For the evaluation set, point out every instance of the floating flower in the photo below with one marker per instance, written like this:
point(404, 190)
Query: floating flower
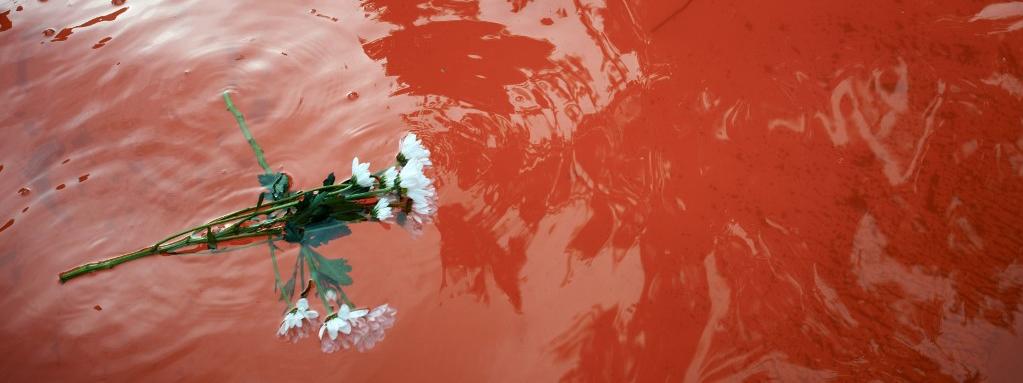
point(329, 346)
point(417, 187)
point(338, 323)
point(291, 326)
point(390, 175)
point(341, 321)
point(382, 316)
point(360, 173)
point(311, 218)
point(382, 210)
point(411, 149)
point(370, 329)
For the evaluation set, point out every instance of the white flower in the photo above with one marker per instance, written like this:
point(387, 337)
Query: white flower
point(382, 210)
point(370, 329)
point(417, 187)
point(389, 176)
point(341, 322)
point(411, 149)
point(347, 313)
point(331, 295)
point(291, 326)
point(382, 316)
point(329, 346)
point(360, 172)
point(334, 325)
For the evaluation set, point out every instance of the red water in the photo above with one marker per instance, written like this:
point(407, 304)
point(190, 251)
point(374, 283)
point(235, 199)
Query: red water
point(629, 191)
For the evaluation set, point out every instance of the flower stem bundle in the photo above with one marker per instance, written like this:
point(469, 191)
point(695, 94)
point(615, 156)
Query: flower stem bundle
point(311, 218)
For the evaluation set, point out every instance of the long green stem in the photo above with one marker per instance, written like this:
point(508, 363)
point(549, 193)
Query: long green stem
point(232, 231)
point(344, 297)
point(374, 193)
point(319, 289)
point(277, 271)
point(267, 208)
point(248, 135)
point(153, 250)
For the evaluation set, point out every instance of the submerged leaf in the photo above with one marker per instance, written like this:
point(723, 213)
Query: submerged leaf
point(318, 234)
point(334, 270)
point(288, 290)
point(337, 270)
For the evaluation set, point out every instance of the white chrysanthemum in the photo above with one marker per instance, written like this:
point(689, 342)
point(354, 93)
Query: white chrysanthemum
point(411, 149)
point(382, 210)
point(291, 326)
point(390, 175)
point(333, 326)
point(360, 172)
point(341, 322)
point(370, 329)
point(382, 316)
point(418, 187)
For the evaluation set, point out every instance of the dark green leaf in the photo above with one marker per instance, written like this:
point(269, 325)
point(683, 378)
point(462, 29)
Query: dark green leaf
point(329, 180)
point(267, 180)
point(288, 290)
point(211, 241)
point(276, 185)
point(292, 232)
point(401, 218)
point(318, 234)
point(329, 271)
point(349, 216)
point(337, 270)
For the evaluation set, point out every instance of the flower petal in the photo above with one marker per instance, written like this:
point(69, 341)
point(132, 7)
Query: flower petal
point(358, 314)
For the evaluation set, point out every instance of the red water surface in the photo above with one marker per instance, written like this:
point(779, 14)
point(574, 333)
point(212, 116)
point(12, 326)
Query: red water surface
point(629, 190)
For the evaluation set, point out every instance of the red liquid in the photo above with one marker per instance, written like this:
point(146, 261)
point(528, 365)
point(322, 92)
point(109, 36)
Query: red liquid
point(651, 191)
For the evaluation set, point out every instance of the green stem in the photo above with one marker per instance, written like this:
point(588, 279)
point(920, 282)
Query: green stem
point(232, 231)
point(344, 297)
point(174, 242)
point(373, 193)
point(269, 208)
point(159, 249)
point(319, 288)
point(277, 270)
point(248, 135)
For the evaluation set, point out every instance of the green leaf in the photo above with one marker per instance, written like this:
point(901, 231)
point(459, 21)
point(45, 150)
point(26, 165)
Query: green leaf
point(318, 234)
point(276, 185)
point(211, 241)
point(292, 232)
point(334, 270)
point(349, 216)
point(288, 290)
point(329, 180)
point(337, 270)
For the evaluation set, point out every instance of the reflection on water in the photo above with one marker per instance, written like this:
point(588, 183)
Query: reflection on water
point(629, 191)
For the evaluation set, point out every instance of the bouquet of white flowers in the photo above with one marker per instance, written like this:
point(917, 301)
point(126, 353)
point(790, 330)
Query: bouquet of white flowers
point(311, 218)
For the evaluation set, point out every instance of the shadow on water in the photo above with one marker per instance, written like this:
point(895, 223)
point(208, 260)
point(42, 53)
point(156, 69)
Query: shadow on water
point(793, 221)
